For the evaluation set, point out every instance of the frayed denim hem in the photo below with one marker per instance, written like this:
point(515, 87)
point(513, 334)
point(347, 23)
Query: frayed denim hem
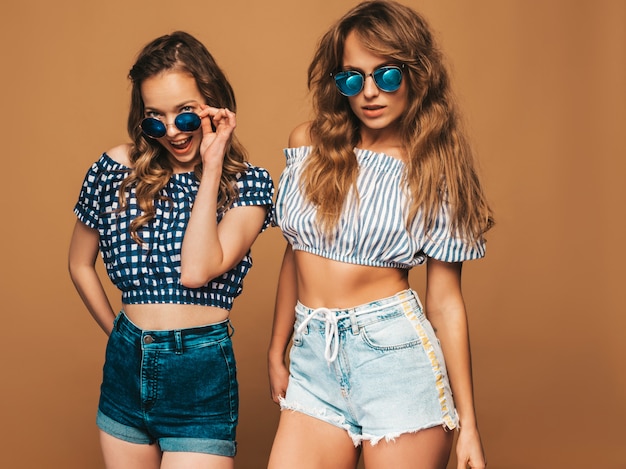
point(357, 439)
point(390, 437)
point(321, 414)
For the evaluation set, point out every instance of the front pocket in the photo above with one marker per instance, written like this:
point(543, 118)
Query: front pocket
point(390, 334)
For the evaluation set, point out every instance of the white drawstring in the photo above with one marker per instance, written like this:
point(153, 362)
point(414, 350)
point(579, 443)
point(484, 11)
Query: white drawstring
point(331, 319)
point(332, 331)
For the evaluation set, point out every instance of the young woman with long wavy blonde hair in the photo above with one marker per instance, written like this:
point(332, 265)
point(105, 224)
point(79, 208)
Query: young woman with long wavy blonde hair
point(381, 180)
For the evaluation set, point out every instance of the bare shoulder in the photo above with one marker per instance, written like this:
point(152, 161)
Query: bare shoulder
point(300, 136)
point(121, 154)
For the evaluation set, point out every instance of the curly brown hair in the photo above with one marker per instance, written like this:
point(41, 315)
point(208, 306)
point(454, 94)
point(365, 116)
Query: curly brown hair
point(440, 165)
point(151, 168)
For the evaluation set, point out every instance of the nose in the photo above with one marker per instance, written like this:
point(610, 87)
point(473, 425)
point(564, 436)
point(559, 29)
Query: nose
point(370, 90)
point(171, 129)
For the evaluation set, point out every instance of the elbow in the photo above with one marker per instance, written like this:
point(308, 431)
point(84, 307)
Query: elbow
point(194, 274)
point(191, 281)
point(73, 269)
point(194, 279)
point(191, 284)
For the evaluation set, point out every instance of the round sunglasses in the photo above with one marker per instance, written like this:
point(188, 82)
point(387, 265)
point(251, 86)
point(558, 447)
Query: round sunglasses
point(387, 78)
point(185, 122)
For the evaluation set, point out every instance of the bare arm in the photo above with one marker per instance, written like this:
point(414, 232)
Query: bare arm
point(81, 262)
point(282, 328)
point(286, 299)
point(210, 249)
point(446, 311)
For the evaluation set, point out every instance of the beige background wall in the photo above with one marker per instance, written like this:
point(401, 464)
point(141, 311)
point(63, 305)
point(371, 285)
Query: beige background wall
point(543, 83)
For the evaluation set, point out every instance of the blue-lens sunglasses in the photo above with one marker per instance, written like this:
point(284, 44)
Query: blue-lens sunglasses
point(185, 122)
point(387, 78)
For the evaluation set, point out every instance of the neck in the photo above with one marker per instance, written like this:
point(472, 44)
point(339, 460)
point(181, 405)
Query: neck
point(385, 140)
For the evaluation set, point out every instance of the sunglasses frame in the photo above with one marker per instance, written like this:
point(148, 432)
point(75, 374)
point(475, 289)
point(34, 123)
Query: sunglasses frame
point(191, 122)
point(364, 76)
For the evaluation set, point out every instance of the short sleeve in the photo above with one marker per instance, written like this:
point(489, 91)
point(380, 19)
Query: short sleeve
point(98, 193)
point(443, 244)
point(87, 209)
point(256, 188)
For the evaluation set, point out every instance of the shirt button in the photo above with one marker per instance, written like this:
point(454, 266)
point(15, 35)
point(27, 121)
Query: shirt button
point(148, 339)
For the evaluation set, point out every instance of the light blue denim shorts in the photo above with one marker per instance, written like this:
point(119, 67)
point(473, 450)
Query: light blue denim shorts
point(376, 370)
point(176, 388)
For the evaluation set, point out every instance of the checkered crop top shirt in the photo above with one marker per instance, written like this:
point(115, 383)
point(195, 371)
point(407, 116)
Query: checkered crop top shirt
point(150, 273)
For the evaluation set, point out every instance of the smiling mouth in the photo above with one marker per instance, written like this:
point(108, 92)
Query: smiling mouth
point(181, 144)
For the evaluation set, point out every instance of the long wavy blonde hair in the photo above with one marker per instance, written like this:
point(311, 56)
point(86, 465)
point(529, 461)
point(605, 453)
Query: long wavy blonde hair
point(440, 164)
point(152, 170)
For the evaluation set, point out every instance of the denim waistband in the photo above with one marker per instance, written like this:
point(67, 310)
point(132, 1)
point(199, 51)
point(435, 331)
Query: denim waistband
point(356, 316)
point(173, 340)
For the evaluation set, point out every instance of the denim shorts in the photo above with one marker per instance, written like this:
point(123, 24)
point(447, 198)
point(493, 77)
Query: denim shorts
point(175, 388)
point(376, 370)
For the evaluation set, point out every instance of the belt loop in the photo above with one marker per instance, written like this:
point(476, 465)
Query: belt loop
point(306, 330)
point(417, 299)
point(230, 328)
point(353, 321)
point(116, 321)
point(331, 331)
point(305, 315)
point(178, 337)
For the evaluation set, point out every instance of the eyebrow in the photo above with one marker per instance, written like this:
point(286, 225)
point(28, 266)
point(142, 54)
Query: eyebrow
point(177, 106)
point(382, 64)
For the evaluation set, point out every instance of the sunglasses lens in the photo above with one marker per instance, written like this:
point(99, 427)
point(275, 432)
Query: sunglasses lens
point(388, 79)
point(153, 128)
point(349, 83)
point(187, 122)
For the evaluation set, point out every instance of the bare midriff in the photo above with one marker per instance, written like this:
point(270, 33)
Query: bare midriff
point(168, 316)
point(331, 284)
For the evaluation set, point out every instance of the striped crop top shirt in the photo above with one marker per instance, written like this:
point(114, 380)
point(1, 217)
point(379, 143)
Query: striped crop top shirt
point(150, 273)
point(372, 228)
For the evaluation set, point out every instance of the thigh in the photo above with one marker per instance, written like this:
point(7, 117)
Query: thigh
point(195, 395)
point(426, 449)
point(120, 454)
point(398, 382)
point(305, 442)
point(192, 404)
point(176, 460)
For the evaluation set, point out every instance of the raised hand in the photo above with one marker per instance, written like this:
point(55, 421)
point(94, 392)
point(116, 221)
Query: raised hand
point(218, 125)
